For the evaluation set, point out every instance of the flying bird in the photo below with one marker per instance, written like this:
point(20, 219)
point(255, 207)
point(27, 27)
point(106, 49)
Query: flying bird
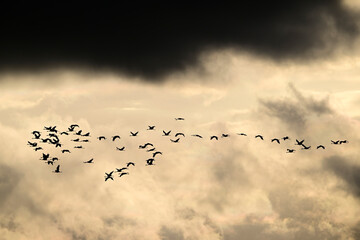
point(156, 153)
point(45, 156)
point(121, 169)
point(285, 138)
point(320, 146)
point(290, 150)
point(85, 140)
point(123, 173)
point(50, 162)
point(130, 163)
point(58, 145)
point(175, 141)
point(55, 159)
point(57, 170)
point(197, 135)
point(109, 176)
point(299, 142)
point(64, 133)
point(276, 140)
point(151, 128)
point(72, 127)
point(32, 144)
point(259, 136)
point(101, 138)
point(224, 135)
point(179, 119)
point(86, 134)
point(166, 133)
point(89, 161)
point(78, 147)
point(115, 137)
point(150, 150)
point(242, 134)
point(134, 134)
point(36, 134)
point(65, 150)
point(120, 149)
point(179, 134)
point(214, 137)
point(76, 140)
point(38, 148)
point(150, 161)
point(343, 141)
point(78, 133)
point(305, 147)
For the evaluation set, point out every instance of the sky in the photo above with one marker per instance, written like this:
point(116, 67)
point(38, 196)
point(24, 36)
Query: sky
point(270, 68)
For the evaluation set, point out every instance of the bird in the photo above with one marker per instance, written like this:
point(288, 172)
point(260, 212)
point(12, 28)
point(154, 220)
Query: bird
point(85, 140)
point(179, 134)
point(32, 144)
point(335, 142)
point(76, 140)
point(115, 137)
point(72, 127)
point(51, 129)
point(179, 119)
point(305, 147)
point(147, 144)
point(320, 146)
point(175, 141)
point(36, 134)
point(64, 133)
point(197, 135)
point(290, 150)
point(58, 145)
point(285, 138)
point(259, 136)
point(38, 148)
point(123, 173)
point(299, 142)
point(150, 150)
point(343, 141)
point(86, 134)
point(57, 170)
point(151, 128)
point(120, 149)
point(130, 163)
point(101, 138)
point(45, 140)
point(109, 176)
point(55, 159)
point(150, 161)
point(65, 150)
point(78, 133)
point(45, 156)
point(166, 133)
point(50, 162)
point(156, 153)
point(214, 137)
point(134, 134)
point(224, 135)
point(242, 134)
point(78, 147)
point(89, 161)
point(121, 169)
point(276, 140)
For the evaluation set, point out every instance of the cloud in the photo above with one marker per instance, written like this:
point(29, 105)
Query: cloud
point(152, 40)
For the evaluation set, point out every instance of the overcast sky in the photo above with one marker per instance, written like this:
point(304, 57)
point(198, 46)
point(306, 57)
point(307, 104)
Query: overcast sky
point(273, 69)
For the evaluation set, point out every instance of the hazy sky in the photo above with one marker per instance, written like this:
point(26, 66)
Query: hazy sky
point(301, 81)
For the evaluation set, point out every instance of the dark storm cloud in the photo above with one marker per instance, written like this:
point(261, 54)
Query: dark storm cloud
point(153, 40)
point(346, 171)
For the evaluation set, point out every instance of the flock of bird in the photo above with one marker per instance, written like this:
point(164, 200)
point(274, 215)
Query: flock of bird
point(52, 137)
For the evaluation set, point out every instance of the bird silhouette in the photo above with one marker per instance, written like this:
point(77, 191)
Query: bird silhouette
point(51, 129)
point(72, 127)
point(64, 133)
point(320, 146)
point(179, 134)
point(55, 159)
point(58, 145)
point(76, 140)
point(89, 161)
point(299, 142)
point(38, 148)
point(50, 162)
point(36, 134)
point(335, 142)
point(101, 138)
point(134, 134)
point(150, 150)
point(151, 128)
point(120, 149)
point(242, 134)
point(57, 170)
point(32, 144)
point(166, 133)
point(259, 136)
point(179, 119)
point(214, 137)
point(276, 140)
point(45, 156)
point(121, 169)
point(197, 135)
point(290, 150)
point(343, 141)
point(115, 137)
point(285, 138)
point(123, 173)
point(156, 153)
point(86, 134)
point(109, 176)
point(78, 133)
point(175, 141)
point(130, 163)
point(85, 140)
point(145, 145)
point(150, 161)
point(305, 147)
point(78, 147)
point(65, 150)
point(224, 135)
